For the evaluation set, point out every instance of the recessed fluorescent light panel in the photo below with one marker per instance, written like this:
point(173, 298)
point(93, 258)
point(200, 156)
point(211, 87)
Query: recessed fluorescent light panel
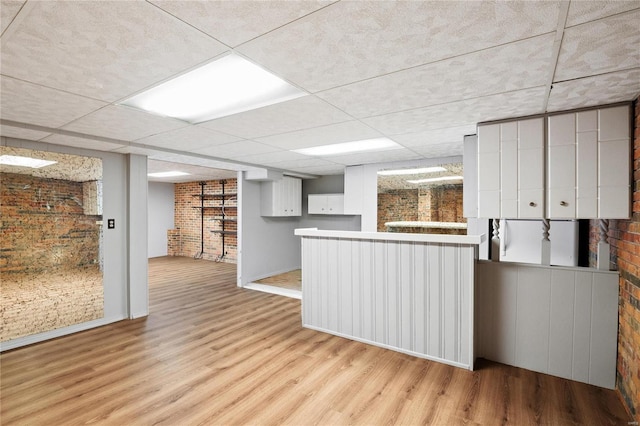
point(378, 144)
point(167, 174)
point(223, 87)
point(437, 179)
point(418, 171)
point(15, 160)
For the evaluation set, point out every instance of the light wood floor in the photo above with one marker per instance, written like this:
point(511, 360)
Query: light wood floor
point(291, 280)
point(211, 353)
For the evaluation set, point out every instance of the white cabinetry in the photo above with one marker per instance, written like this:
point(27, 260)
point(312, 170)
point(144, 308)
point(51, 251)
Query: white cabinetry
point(326, 204)
point(282, 197)
point(588, 164)
point(510, 169)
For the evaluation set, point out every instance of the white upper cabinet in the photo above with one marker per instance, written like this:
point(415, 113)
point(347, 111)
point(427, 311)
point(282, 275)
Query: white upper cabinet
point(282, 197)
point(587, 166)
point(325, 204)
point(588, 174)
point(510, 169)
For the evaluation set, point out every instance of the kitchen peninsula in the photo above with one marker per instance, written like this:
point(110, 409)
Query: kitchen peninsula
point(412, 293)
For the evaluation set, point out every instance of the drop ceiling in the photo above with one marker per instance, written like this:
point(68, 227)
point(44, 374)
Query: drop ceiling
point(421, 73)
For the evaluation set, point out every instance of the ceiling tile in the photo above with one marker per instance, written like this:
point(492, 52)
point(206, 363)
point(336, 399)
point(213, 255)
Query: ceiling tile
point(514, 66)
point(302, 164)
point(325, 135)
point(8, 11)
point(584, 10)
point(506, 105)
point(104, 50)
point(440, 150)
point(157, 166)
point(234, 22)
point(81, 142)
point(301, 113)
point(438, 136)
point(33, 104)
point(197, 160)
point(22, 133)
point(135, 150)
point(606, 45)
point(120, 122)
point(375, 157)
point(187, 138)
point(336, 169)
point(597, 90)
point(236, 149)
point(272, 157)
point(345, 42)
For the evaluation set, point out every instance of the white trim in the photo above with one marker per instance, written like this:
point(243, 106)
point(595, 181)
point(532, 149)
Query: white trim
point(59, 332)
point(393, 236)
point(287, 292)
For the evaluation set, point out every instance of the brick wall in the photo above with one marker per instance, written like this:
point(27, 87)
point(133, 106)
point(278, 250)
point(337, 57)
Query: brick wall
point(624, 237)
point(396, 205)
point(43, 225)
point(442, 203)
point(184, 240)
point(437, 204)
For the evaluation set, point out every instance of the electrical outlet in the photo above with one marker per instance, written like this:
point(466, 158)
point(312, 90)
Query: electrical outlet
point(111, 223)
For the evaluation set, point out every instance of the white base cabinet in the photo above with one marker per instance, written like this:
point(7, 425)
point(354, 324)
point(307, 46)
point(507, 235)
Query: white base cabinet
point(281, 198)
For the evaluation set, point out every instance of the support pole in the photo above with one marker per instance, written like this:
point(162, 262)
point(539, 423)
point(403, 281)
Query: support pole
point(604, 249)
point(495, 241)
point(545, 258)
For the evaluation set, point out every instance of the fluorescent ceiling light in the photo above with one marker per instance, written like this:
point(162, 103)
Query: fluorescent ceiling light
point(173, 173)
point(411, 171)
point(34, 163)
point(223, 87)
point(436, 179)
point(377, 144)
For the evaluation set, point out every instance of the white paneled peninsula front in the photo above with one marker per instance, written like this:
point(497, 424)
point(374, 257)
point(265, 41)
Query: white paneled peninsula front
point(408, 292)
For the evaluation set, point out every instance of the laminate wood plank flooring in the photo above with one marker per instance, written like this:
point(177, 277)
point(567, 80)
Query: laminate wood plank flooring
point(291, 280)
point(211, 353)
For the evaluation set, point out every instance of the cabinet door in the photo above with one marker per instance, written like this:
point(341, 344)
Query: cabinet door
point(509, 178)
point(562, 204)
point(586, 173)
point(335, 204)
point(531, 168)
point(316, 204)
point(294, 197)
point(489, 171)
point(614, 163)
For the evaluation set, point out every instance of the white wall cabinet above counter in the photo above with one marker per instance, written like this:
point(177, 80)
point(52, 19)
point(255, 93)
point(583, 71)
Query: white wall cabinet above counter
point(281, 198)
point(584, 155)
point(326, 204)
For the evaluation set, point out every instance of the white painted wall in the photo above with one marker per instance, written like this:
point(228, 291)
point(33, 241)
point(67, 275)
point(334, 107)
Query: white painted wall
point(326, 185)
point(369, 220)
point(267, 245)
point(137, 266)
point(161, 216)
point(117, 284)
point(561, 321)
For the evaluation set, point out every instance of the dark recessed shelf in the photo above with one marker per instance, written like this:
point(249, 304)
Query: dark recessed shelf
point(224, 232)
point(213, 207)
point(213, 196)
